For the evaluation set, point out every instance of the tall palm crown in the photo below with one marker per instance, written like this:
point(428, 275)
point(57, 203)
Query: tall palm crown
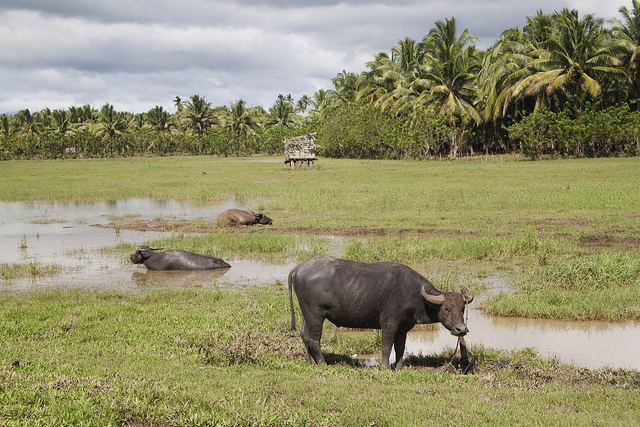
point(27, 123)
point(60, 122)
point(322, 99)
point(627, 39)
point(5, 126)
point(239, 120)
point(577, 52)
point(177, 101)
point(282, 112)
point(303, 103)
point(345, 85)
point(159, 119)
point(508, 62)
point(452, 65)
point(198, 115)
point(110, 123)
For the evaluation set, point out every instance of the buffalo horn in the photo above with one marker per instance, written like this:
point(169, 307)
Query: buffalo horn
point(468, 297)
point(433, 299)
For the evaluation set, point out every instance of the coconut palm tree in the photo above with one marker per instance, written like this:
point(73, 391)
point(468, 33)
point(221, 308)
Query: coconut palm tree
point(239, 120)
point(322, 99)
point(177, 101)
point(376, 85)
point(198, 115)
point(345, 85)
point(408, 55)
point(452, 65)
point(159, 120)
point(626, 33)
point(60, 122)
point(27, 123)
point(5, 126)
point(282, 113)
point(303, 103)
point(110, 124)
point(577, 53)
point(394, 82)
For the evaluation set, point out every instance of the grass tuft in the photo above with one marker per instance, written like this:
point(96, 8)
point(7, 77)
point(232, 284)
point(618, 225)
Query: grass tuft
point(32, 269)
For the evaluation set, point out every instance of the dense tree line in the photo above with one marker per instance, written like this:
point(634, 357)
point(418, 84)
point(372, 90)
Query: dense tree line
point(562, 85)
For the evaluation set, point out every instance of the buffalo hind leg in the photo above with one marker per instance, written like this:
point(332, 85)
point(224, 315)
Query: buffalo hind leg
point(304, 341)
point(311, 333)
point(398, 345)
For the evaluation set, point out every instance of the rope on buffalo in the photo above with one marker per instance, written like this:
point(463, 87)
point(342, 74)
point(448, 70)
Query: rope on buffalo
point(464, 356)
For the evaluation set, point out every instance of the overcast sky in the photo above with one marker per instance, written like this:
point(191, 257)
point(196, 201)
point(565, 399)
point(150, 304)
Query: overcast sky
point(137, 54)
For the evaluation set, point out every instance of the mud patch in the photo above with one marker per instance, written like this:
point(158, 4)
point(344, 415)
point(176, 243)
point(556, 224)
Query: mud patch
point(178, 226)
point(610, 240)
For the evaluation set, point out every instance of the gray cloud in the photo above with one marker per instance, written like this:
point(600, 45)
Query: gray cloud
point(138, 54)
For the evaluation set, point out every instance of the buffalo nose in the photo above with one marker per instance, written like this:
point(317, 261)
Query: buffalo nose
point(461, 329)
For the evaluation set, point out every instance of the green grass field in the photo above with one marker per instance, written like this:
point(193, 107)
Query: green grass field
point(587, 197)
point(225, 357)
point(566, 231)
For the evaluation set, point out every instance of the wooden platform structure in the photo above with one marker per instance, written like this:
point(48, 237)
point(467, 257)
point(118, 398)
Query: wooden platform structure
point(300, 149)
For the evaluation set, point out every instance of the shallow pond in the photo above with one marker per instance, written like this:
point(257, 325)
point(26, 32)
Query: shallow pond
point(70, 234)
point(62, 233)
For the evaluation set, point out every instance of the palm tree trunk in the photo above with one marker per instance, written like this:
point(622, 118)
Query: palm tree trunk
point(580, 100)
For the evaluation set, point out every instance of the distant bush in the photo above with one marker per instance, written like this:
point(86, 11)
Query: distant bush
point(613, 131)
point(363, 131)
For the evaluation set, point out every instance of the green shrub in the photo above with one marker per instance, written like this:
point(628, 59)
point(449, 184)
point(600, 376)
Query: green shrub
point(613, 131)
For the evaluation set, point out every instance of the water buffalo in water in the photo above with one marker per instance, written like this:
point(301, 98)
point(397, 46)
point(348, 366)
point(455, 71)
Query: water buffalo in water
point(240, 217)
point(386, 296)
point(174, 260)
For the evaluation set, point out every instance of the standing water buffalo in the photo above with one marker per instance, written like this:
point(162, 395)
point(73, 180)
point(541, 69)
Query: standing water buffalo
point(174, 260)
point(386, 296)
point(240, 217)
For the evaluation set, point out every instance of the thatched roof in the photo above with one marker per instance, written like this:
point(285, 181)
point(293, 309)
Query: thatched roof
point(300, 147)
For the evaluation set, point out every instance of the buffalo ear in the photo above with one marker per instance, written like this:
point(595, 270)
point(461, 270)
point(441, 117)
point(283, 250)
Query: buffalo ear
point(433, 299)
point(466, 295)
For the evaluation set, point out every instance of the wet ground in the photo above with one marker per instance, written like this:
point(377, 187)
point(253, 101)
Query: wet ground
point(69, 234)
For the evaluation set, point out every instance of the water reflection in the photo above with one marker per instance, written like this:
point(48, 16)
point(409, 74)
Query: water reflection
point(177, 279)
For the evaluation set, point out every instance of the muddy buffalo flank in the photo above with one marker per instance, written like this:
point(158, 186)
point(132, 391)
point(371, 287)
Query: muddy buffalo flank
point(233, 217)
point(155, 260)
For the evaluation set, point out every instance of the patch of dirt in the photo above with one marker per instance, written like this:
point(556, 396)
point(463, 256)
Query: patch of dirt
point(619, 378)
point(610, 240)
point(145, 423)
point(547, 224)
point(210, 227)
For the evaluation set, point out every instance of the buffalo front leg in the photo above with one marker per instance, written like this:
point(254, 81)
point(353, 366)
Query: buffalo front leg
point(398, 345)
point(311, 333)
point(388, 336)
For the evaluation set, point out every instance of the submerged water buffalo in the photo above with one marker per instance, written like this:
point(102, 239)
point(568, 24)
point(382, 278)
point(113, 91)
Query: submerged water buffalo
point(240, 217)
point(174, 260)
point(386, 296)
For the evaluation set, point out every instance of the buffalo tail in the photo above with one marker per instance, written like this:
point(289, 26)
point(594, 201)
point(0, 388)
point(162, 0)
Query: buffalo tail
point(293, 313)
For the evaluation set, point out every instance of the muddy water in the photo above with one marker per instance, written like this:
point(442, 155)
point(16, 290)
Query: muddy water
point(62, 233)
point(590, 344)
point(65, 233)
